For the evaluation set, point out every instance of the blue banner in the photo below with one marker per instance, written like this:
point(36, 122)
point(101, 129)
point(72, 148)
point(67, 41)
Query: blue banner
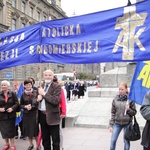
point(116, 35)
point(20, 91)
point(140, 82)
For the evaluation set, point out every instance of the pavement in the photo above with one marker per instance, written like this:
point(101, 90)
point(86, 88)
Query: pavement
point(94, 110)
point(87, 126)
point(77, 138)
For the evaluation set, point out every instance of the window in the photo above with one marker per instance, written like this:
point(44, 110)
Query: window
point(49, 18)
point(14, 3)
point(13, 27)
point(23, 25)
point(31, 12)
point(38, 16)
point(45, 18)
point(23, 7)
point(54, 1)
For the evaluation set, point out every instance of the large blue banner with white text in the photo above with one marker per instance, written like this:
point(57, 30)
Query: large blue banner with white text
point(15, 47)
point(117, 35)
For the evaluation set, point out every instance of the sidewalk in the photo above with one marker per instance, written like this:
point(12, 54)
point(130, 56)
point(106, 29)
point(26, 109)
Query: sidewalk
point(76, 138)
point(93, 111)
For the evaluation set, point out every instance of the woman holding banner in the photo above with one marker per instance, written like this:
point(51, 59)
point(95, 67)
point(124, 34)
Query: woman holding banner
point(8, 105)
point(121, 112)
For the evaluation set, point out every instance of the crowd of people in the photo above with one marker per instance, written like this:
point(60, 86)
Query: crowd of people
point(44, 108)
point(75, 89)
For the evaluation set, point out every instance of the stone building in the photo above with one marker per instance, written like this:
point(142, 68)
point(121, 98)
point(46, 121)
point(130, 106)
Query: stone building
point(15, 14)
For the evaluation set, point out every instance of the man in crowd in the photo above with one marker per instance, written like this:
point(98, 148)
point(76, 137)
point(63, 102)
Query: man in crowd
point(49, 111)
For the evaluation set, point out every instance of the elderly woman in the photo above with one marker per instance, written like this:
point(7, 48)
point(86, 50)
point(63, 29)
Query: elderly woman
point(29, 103)
point(8, 105)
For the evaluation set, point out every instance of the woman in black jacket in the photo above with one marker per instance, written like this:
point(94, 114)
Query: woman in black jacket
point(29, 104)
point(8, 105)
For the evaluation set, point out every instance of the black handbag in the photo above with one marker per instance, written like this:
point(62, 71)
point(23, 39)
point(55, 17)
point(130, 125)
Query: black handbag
point(132, 132)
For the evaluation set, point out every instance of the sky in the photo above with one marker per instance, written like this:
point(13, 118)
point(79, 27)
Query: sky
point(81, 7)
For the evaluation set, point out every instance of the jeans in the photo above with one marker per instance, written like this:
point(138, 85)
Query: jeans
point(116, 131)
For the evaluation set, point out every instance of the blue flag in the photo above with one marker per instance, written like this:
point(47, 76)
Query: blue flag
point(116, 35)
point(19, 114)
point(140, 82)
point(20, 91)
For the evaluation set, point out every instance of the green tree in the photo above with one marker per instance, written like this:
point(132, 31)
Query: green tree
point(85, 76)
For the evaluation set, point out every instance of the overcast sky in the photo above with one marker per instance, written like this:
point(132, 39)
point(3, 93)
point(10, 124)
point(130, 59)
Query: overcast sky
point(80, 7)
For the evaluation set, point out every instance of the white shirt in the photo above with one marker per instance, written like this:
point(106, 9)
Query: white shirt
point(42, 105)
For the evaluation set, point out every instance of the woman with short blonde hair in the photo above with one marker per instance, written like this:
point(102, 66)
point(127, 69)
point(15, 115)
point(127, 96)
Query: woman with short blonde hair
point(8, 105)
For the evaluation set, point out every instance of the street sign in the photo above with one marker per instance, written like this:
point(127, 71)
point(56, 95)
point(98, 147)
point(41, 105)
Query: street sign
point(8, 75)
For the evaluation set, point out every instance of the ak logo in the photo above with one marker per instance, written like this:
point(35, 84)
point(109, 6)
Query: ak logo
point(145, 75)
point(128, 35)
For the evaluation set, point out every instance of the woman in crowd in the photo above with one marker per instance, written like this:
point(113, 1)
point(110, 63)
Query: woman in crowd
point(33, 83)
point(121, 113)
point(82, 89)
point(29, 103)
point(75, 90)
point(8, 105)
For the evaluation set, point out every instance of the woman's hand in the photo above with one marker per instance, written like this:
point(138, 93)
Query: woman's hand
point(39, 98)
point(2, 109)
point(9, 110)
point(62, 116)
point(110, 129)
point(127, 106)
point(28, 107)
point(41, 91)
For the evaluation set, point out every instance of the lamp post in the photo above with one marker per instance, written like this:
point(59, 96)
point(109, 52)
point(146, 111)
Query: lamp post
point(99, 72)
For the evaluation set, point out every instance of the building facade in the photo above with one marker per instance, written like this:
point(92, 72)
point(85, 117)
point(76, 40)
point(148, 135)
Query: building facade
point(15, 14)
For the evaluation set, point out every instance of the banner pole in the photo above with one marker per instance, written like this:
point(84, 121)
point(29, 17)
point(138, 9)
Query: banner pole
point(40, 75)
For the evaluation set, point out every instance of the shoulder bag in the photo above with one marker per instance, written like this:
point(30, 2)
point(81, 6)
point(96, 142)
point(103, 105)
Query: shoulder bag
point(132, 132)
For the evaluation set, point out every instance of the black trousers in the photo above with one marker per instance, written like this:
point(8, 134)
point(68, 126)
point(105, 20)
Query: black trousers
point(144, 148)
point(68, 94)
point(49, 133)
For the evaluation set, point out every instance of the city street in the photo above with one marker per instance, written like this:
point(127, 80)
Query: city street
point(83, 139)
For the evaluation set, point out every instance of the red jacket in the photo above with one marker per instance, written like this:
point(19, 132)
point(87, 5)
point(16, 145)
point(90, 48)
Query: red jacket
point(62, 104)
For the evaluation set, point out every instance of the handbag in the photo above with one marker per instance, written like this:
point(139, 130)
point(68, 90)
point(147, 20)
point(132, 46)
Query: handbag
point(132, 132)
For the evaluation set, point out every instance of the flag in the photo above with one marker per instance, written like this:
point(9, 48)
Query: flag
point(19, 114)
point(115, 35)
point(20, 90)
point(140, 82)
